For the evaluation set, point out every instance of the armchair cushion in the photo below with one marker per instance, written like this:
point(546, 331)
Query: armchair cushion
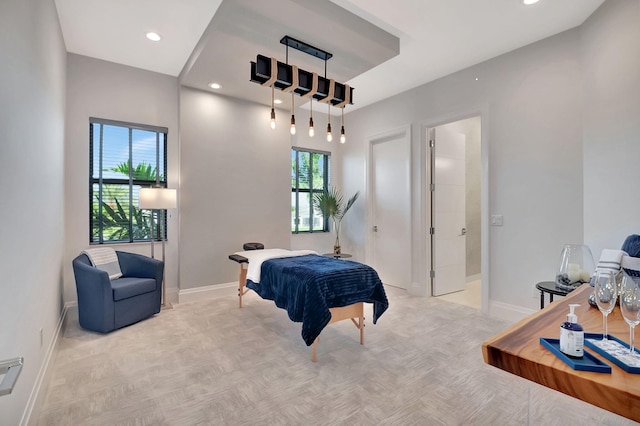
point(126, 287)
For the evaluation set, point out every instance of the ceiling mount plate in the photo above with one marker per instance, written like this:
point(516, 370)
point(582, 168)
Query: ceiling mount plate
point(306, 48)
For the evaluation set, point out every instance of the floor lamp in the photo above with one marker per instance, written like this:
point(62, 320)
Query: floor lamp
point(158, 199)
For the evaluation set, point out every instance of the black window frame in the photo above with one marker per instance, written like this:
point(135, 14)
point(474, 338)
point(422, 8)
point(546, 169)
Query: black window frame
point(295, 189)
point(160, 181)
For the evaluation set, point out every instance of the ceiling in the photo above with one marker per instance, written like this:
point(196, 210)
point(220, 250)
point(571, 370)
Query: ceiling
point(380, 47)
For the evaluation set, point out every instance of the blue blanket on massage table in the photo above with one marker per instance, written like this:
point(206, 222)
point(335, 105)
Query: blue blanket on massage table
point(307, 286)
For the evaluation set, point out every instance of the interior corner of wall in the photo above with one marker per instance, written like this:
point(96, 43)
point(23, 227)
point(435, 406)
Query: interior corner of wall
point(418, 289)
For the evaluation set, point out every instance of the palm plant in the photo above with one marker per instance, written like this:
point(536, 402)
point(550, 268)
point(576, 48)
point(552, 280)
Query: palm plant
point(330, 203)
point(142, 171)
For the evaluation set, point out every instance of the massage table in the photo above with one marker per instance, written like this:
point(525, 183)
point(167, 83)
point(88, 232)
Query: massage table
point(315, 290)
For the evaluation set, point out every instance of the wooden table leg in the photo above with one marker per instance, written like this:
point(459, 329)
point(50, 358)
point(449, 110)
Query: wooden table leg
point(313, 349)
point(242, 280)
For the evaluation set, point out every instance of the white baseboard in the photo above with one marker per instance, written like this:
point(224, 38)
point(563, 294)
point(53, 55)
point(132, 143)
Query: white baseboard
point(508, 312)
point(208, 292)
point(38, 391)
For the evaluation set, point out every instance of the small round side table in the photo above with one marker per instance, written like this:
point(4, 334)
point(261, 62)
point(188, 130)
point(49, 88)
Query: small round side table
point(551, 288)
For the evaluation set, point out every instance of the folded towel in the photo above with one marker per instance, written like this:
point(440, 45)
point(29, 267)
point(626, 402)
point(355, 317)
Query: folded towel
point(610, 260)
point(256, 257)
point(105, 259)
point(631, 245)
point(631, 265)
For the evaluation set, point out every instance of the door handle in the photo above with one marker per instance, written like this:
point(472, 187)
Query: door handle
point(463, 232)
point(375, 228)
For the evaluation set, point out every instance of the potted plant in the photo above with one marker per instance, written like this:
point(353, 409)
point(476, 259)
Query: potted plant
point(330, 203)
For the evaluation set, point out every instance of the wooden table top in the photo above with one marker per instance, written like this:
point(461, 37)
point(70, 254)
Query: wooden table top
point(518, 351)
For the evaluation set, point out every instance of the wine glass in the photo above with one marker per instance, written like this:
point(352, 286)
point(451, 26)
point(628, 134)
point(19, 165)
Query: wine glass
point(606, 294)
point(630, 305)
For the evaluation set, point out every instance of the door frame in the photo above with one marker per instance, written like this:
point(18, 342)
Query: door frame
point(403, 133)
point(425, 203)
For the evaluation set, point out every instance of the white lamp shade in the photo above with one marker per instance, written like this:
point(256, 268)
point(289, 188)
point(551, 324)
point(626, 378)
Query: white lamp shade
point(157, 198)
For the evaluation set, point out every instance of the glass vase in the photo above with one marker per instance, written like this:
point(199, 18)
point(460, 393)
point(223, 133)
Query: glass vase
point(576, 266)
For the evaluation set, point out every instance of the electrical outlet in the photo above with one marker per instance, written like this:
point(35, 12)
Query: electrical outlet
point(41, 338)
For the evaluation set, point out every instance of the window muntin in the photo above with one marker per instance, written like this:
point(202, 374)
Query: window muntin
point(114, 184)
point(309, 175)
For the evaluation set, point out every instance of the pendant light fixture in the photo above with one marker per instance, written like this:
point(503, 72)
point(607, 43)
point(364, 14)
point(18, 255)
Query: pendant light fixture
point(273, 111)
point(271, 81)
point(343, 138)
point(329, 135)
point(293, 117)
point(272, 73)
point(347, 100)
point(311, 130)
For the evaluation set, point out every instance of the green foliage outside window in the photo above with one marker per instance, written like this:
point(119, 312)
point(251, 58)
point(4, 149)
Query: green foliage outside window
point(309, 176)
point(115, 184)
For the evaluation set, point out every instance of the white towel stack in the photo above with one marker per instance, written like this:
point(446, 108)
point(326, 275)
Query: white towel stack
point(632, 263)
point(610, 260)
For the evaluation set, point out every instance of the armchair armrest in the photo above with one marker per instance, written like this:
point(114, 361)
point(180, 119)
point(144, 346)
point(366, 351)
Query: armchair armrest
point(95, 296)
point(137, 265)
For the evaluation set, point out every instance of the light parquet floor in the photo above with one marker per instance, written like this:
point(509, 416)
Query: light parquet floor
point(470, 296)
point(210, 363)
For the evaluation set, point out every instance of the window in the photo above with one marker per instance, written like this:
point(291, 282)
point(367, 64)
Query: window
point(309, 175)
point(123, 157)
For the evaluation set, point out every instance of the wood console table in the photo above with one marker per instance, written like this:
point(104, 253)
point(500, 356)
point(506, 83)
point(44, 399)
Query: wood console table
point(518, 351)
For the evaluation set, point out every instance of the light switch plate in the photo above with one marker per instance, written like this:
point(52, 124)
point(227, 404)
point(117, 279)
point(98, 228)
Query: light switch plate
point(496, 220)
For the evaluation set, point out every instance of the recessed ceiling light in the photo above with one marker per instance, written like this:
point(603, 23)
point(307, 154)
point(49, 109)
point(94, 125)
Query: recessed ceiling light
point(528, 2)
point(215, 85)
point(277, 101)
point(153, 36)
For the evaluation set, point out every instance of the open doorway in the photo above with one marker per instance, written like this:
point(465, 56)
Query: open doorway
point(454, 173)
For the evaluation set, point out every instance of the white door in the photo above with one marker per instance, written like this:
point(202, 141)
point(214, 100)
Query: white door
point(391, 209)
point(448, 212)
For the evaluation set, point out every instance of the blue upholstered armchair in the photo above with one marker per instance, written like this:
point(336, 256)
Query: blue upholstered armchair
point(105, 305)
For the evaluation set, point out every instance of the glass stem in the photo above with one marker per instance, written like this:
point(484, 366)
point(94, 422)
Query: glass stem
point(604, 320)
point(631, 335)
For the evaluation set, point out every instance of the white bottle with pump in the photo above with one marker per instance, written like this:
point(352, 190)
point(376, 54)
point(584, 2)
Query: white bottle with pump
point(572, 335)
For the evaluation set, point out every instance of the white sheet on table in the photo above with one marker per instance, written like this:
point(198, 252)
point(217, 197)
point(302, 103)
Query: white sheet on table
point(256, 257)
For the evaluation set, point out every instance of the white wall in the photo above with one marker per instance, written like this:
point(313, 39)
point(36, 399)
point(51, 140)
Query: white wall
point(235, 184)
point(531, 103)
point(97, 88)
point(32, 97)
point(611, 61)
point(235, 179)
